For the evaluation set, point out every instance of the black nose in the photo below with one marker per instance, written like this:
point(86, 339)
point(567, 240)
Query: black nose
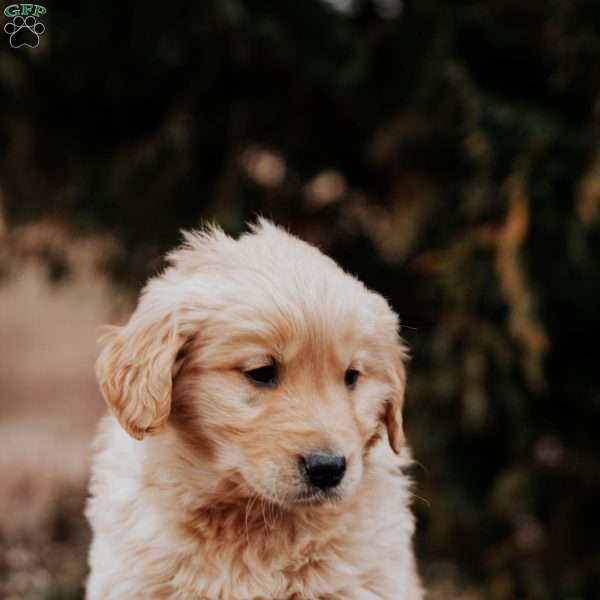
point(323, 470)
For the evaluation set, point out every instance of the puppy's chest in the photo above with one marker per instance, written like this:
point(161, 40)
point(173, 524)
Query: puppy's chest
point(277, 563)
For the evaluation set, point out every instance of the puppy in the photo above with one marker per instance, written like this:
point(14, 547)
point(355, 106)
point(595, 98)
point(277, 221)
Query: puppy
point(246, 459)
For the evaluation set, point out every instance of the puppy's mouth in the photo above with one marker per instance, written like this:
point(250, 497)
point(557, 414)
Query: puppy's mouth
point(317, 497)
point(308, 497)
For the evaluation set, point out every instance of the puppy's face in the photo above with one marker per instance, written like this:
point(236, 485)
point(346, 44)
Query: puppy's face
point(274, 367)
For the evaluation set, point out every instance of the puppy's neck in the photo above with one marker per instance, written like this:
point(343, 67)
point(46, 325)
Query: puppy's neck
point(255, 524)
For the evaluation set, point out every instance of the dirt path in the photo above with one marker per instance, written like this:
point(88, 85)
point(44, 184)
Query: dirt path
point(49, 401)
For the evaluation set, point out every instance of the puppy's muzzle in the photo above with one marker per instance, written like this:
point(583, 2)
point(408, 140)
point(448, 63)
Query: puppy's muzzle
point(323, 470)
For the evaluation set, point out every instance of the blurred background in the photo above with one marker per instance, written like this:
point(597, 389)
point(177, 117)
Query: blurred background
point(447, 153)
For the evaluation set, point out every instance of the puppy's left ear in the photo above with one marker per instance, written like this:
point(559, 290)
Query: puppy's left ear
point(136, 366)
point(393, 415)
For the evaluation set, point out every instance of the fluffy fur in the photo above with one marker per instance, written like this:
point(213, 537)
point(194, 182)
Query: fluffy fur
point(196, 490)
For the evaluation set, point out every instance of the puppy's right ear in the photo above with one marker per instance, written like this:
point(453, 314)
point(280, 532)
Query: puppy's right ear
point(135, 370)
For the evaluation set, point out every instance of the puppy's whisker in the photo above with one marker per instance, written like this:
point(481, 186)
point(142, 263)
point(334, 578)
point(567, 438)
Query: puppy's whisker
point(275, 511)
point(427, 502)
point(416, 463)
point(270, 512)
point(267, 511)
point(262, 508)
point(249, 504)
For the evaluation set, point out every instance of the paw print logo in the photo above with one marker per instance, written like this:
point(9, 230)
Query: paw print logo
point(24, 31)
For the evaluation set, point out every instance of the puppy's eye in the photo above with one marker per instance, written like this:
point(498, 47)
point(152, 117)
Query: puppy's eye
point(266, 375)
point(351, 377)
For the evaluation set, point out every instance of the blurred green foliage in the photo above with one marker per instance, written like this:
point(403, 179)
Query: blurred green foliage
point(447, 153)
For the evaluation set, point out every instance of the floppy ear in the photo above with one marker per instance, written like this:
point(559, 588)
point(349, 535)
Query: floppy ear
point(135, 369)
point(393, 415)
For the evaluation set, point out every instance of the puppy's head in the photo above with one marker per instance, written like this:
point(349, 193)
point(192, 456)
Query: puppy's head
point(273, 364)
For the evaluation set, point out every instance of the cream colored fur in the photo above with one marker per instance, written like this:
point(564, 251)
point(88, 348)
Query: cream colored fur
point(196, 491)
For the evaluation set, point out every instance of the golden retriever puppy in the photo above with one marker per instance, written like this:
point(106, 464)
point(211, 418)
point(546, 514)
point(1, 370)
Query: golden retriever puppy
point(246, 459)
